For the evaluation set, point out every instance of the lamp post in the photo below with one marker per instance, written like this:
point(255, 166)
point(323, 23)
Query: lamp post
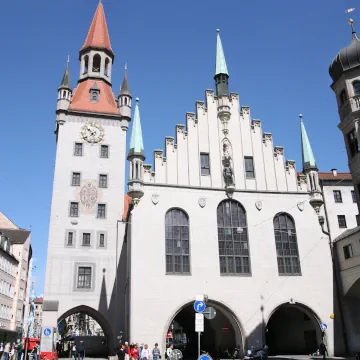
point(316, 202)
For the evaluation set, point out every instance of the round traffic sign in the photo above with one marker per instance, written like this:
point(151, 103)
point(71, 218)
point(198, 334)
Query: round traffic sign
point(47, 332)
point(205, 357)
point(323, 327)
point(210, 313)
point(199, 306)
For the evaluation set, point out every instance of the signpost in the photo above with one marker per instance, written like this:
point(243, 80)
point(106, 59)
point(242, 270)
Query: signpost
point(323, 327)
point(200, 311)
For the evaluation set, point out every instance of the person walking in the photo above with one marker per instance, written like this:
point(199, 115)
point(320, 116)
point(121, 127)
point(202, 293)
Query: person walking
point(73, 351)
point(135, 352)
point(156, 352)
point(145, 353)
point(19, 349)
point(169, 351)
point(127, 351)
point(80, 349)
point(323, 349)
point(6, 351)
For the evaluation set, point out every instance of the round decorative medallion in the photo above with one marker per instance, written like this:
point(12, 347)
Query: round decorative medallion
point(202, 202)
point(88, 195)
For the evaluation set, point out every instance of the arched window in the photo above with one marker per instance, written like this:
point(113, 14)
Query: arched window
point(86, 64)
point(343, 97)
point(106, 71)
point(286, 245)
point(233, 238)
point(177, 242)
point(356, 85)
point(96, 63)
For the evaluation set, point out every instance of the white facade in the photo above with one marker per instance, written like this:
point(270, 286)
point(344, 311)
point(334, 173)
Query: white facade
point(339, 200)
point(221, 154)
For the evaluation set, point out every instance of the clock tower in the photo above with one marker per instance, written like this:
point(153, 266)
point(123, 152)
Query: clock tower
point(84, 260)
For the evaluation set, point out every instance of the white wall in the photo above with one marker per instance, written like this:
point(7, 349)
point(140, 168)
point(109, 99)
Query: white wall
point(156, 297)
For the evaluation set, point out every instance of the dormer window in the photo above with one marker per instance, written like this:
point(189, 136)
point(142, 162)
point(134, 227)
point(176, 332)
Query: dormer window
point(94, 93)
point(356, 85)
point(96, 63)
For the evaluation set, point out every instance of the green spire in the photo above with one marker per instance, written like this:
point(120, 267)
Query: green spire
point(65, 82)
point(136, 141)
point(220, 67)
point(308, 158)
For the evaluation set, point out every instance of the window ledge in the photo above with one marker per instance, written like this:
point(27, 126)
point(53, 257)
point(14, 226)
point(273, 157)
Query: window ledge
point(236, 275)
point(85, 245)
point(178, 274)
point(291, 275)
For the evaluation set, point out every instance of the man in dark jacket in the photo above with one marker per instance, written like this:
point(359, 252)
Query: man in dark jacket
point(80, 349)
point(323, 350)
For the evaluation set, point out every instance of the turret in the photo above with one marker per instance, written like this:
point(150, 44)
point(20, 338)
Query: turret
point(124, 102)
point(64, 90)
point(310, 170)
point(136, 157)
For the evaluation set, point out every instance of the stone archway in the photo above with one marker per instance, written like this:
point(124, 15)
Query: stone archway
point(293, 329)
point(94, 345)
point(220, 334)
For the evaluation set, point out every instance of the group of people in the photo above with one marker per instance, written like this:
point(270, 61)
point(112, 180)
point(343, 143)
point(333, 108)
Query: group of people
point(138, 352)
point(77, 350)
point(12, 351)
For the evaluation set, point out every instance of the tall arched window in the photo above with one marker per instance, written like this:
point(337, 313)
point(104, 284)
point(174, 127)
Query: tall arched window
point(286, 245)
point(177, 242)
point(233, 238)
point(356, 85)
point(96, 63)
point(343, 97)
point(86, 64)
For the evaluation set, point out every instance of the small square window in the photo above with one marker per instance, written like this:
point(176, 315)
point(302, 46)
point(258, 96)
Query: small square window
point(101, 213)
point(75, 181)
point(78, 151)
point(337, 196)
point(74, 209)
point(84, 277)
point(103, 181)
point(86, 240)
point(102, 240)
point(348, 252)
point(70, 238)
point(249, 167)
point(353, 196)
point(205, 164)
point(342, 221)
point(104, 151)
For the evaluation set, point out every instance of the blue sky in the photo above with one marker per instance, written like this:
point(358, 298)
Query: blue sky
point(277, 52)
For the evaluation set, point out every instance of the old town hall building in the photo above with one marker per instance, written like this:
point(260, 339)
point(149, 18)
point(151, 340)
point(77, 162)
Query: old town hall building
point(218, 214)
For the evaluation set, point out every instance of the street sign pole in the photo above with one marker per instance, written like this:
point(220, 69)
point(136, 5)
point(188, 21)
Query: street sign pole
point(199, 340)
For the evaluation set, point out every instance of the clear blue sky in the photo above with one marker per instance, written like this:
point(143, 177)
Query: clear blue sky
point(277, 52)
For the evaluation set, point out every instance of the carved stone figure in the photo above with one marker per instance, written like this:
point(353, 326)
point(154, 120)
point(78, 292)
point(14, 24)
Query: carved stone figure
point(228, 175)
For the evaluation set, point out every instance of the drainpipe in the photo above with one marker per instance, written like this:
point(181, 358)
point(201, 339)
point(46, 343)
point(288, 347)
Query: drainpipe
point(337, 285)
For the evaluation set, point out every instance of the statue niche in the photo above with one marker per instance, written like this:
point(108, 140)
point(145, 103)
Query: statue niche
point(228, 172)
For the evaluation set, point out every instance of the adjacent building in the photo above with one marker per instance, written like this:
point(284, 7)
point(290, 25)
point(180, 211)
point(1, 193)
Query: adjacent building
point(345, 74)
point(218, 215)
point(15, 268)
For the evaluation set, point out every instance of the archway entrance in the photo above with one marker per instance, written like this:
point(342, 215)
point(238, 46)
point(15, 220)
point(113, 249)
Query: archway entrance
point(293, 330)
point(221, 335)
point(84, 324)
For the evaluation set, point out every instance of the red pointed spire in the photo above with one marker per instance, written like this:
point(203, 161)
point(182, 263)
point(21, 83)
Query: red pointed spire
point(98, 35)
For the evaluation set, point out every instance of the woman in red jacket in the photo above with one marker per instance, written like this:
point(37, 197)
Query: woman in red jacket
point(135, 352)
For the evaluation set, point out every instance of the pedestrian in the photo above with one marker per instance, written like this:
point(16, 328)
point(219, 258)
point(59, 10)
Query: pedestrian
point(120, 352)
point(19, 349)
point(37, 351)
point(6, 351)
point(141, 347)
point(73, 351)
point(145, 354)
point(323, 349)
point(12, 352)
point(169, 351)
point(127, 351)
point(135, 352)
point(1, 350)
point(156, 352)
point(80, 349)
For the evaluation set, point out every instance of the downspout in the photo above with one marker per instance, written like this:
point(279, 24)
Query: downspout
point(335, 269)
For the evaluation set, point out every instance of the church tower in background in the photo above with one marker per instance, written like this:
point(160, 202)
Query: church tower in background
point(86, 232)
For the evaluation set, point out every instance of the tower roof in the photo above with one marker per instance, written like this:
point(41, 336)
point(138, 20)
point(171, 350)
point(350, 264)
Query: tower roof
point(136, 141)
point(220, 67)
point(308, 158)
point(124, 90)
point(98, 35)
point(65, 82)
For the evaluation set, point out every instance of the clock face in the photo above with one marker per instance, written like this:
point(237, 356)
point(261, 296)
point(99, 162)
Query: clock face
point(92, 132)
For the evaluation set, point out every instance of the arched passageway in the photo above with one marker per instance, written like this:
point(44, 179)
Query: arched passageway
point(84, 323)
point(293, 330)
point(221, 335)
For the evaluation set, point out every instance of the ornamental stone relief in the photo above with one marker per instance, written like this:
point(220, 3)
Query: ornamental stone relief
point(147, 168)
point(158, 154)
point(290, 165)
point(245, 110)
point(255, 124)
point(267, 137)
point(169, 140)
point(234, 96)
point(278, 150)
point(88, 195)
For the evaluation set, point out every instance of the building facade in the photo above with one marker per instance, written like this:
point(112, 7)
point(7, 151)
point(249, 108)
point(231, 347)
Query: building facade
point(16, 242)
point(345, 74)
point(220, 215)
